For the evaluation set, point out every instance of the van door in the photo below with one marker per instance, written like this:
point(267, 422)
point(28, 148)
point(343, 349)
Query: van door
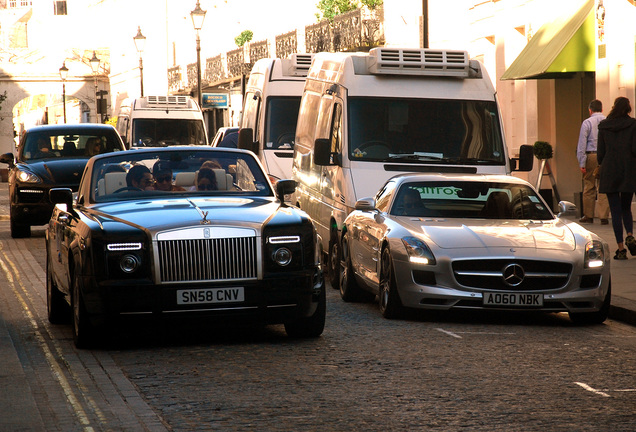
point(332, 175)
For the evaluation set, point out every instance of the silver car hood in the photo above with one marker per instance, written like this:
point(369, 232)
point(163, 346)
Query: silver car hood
point(457, 234)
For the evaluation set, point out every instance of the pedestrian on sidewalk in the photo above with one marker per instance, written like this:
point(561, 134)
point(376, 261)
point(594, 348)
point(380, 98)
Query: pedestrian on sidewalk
point(586, 153)
point(617, 156)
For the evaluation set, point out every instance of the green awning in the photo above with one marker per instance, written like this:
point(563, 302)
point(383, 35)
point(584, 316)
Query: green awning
point(565, 45)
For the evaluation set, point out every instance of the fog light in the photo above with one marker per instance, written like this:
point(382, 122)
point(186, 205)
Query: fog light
point(282, 256)
point(129, 263)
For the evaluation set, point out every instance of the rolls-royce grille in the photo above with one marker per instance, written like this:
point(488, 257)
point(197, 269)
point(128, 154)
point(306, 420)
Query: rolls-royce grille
point(208, 259)
point(512, 275)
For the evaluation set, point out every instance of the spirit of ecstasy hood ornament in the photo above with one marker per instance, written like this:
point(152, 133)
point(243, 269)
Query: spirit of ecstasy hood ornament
point(204, 215)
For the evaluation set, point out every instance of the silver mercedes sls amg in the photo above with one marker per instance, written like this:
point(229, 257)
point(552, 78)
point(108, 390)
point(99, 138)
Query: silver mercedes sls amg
point(457, 241)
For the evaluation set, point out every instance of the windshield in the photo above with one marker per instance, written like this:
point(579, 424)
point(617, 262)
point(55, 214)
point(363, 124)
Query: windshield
point(166, 132)
point(425, 130)
point(69, 143)
point(280, 122)
point(132, 174)
point(462, 199)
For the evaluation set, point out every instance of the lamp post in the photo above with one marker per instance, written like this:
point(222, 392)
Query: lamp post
point(95, 67)
point(64, 75)
point(140, 43)
point(198, 15)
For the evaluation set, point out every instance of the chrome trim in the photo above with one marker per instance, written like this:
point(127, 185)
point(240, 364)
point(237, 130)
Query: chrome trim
point(283, 239)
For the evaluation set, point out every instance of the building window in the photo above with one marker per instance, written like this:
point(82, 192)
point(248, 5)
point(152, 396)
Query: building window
point(22, 3)
point(59, 7)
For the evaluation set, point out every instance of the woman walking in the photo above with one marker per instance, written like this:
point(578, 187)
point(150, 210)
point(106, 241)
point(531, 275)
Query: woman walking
point(617, 156)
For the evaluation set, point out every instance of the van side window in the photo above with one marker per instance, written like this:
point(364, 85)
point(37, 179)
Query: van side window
point(250, 111)
point(336, 129)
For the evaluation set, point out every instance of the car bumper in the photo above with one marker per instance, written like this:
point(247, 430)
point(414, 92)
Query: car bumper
point(272, 300)
point(435, 287)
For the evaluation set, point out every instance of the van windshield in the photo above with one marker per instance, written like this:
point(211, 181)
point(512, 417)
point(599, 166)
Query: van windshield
point(167, 132)
point(280, 122)
point(425, 131)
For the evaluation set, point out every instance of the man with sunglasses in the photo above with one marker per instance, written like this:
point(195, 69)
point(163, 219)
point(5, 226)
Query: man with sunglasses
point(162, 172)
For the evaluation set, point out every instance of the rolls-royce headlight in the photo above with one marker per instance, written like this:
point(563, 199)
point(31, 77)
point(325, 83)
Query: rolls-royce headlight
point(282, 256)
point(129, 263)
point(27, 177)
point(594, 254)
point(418, 251)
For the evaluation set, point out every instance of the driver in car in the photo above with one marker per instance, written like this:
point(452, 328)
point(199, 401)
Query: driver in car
point(140, 177)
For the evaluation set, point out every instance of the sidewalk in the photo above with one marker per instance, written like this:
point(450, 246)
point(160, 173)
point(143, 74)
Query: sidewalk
point(623, 275)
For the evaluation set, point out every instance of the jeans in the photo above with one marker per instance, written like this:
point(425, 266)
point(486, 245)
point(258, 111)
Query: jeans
point(620, 204)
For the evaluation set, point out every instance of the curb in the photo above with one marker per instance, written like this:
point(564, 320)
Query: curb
point(623, 310)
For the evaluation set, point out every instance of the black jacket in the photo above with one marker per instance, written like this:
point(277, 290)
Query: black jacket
point(617, 155)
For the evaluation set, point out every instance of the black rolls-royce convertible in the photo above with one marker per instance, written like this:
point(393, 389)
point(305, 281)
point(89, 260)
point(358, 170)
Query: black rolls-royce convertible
point(180, 232)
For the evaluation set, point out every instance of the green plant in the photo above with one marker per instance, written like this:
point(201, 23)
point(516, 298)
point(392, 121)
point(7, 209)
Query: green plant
point(245, 36)
point(542, 150)
point(330, 8)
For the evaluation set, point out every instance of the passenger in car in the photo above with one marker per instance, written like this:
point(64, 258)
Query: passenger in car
point(162, 172)
point(206, 180)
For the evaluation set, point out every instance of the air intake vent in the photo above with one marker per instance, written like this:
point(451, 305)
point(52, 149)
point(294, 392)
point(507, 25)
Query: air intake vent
point(401, 61)
point(167, 101)
point(301, 64)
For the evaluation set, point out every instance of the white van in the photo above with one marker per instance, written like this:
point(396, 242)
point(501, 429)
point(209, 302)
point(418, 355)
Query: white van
point(270, 111)
point(159, 121)
point(366, 117)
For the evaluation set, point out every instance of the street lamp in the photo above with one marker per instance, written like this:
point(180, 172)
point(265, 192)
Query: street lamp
point(140, 43)
point(95, 67)
point(198, 15)
point(64, 75)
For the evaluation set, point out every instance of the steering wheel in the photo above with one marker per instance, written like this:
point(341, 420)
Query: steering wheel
point(286, 138)
point(372, 143)
point(128, 189)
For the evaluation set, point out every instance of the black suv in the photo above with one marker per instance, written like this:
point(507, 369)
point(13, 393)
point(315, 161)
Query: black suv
point(51, 156)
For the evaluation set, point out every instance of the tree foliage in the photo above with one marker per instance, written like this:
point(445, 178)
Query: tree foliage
point(329, 9)
point(245, 36)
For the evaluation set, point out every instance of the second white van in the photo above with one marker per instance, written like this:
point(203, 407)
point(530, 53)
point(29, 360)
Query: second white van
point(270, 111)
point(366, 117)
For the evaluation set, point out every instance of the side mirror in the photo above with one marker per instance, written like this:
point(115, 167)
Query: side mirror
point(8, 159)
point(322, 152)
point(567, 209)
point(525, 161)
point(62, 196)
point(246, 140)
point(285, 187)
point(365, 204)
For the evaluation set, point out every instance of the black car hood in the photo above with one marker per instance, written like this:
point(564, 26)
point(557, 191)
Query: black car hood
point(57, 171)
point(164, 214)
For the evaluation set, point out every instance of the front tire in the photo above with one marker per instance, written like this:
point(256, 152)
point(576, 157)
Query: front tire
point(333, 261)
point(58, 310)
point(350, 291)
point(389, 299)
point(590, 318)
point(83, 330)
point(19, 231)
point(313, 326)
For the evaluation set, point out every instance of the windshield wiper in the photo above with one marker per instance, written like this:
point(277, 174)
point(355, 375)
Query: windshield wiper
point(419, 156)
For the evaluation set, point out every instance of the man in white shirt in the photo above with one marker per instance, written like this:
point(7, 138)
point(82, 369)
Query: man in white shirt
point(586, 155)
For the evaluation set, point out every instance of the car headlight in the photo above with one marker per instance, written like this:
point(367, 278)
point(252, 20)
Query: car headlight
point(418, 251)
point(594, 254)
point(27, 177)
